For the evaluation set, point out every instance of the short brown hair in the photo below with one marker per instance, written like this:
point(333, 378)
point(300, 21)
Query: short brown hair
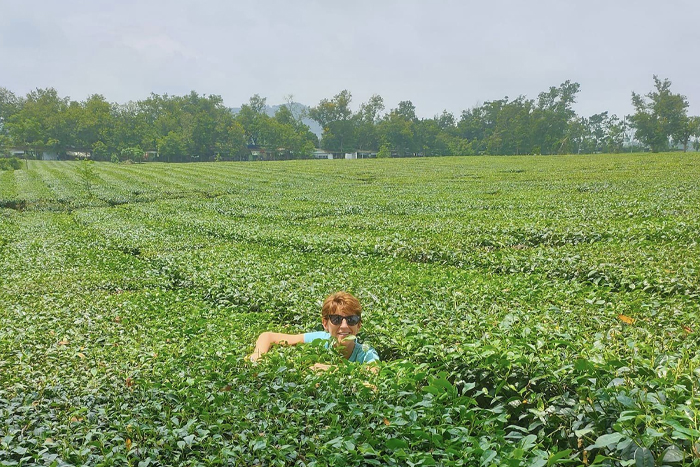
point(341, 301)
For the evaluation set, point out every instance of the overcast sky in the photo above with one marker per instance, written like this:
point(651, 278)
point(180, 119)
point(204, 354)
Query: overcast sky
point(439, 54)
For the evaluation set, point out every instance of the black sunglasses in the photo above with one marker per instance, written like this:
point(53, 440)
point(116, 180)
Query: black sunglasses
point(352, 320)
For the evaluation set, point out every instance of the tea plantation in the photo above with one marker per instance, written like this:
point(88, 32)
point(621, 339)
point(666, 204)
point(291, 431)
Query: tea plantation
point(529, 311)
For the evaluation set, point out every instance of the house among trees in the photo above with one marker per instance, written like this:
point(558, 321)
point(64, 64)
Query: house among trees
point(79, 155)
point(46, 125)
point(43, 155)
point(50, 155)
point(321, 154)
point(361, 155)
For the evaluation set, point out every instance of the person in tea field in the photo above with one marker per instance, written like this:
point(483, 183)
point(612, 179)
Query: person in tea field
point(341, 317)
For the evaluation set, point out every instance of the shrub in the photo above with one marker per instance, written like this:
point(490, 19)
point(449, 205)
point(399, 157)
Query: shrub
point(384, 152)
point(11, 163)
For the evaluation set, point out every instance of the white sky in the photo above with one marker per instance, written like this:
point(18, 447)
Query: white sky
point(440, 54)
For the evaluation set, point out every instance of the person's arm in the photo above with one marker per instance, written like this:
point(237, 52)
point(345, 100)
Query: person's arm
point(266, 339)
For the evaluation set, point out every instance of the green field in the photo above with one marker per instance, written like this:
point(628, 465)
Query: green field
point(528, 311)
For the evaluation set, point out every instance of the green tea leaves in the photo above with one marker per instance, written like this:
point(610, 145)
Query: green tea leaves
point(537, 311)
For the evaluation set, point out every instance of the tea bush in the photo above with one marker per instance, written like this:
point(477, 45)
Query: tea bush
point(528, 311)
point(10, 163)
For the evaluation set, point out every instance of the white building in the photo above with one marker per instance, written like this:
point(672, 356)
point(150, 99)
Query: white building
point(322, 154)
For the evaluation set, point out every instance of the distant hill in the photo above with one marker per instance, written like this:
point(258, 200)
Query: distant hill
point(297, 108)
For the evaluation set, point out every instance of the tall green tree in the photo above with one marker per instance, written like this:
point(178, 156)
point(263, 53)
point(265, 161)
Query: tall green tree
point(615, 134)
point(398, 129)
point(173, 146)
point(512, 127)
point(448, 140)
point(407, 111)
point(690, 128)
point(253, 119)
point(472, 130)
point(131, 127)
point(205, 120)
point(232, 143)
point(366, 120)
point(40, 125)
point(335, 117)
point(446, 121)
point(597, 131)
point(551, 118)
point(10, 104)
point(91, 124)
point(427, 141)
point(660, 116)
point(296, 138)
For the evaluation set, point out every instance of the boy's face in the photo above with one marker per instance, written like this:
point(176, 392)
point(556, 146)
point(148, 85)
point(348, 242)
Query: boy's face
point(341, 330)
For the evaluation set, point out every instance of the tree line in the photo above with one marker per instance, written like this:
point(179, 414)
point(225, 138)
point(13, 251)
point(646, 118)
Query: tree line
point(168, 128)
point(200, 127)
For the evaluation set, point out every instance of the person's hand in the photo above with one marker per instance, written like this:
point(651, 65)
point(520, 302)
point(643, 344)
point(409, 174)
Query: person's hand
point(253, 358)
point(370, 386)
point(321, 367)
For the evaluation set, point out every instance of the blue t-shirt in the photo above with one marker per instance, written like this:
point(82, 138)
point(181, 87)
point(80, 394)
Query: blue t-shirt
point(360, 353)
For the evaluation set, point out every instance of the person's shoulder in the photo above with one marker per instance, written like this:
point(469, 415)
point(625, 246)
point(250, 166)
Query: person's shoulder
point(315, 335)
point(365, 354)
point(371, 356)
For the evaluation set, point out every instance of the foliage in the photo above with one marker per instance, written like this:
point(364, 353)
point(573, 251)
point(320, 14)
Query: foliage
point(283, 136)
point(10, 104)
point(384, 152)
point(335, 117)
point(39, 124)
point(197, 127)
point(87, 175)
point(528, 311)
point(10, 163)
point(131, 153)
point(662, 117)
